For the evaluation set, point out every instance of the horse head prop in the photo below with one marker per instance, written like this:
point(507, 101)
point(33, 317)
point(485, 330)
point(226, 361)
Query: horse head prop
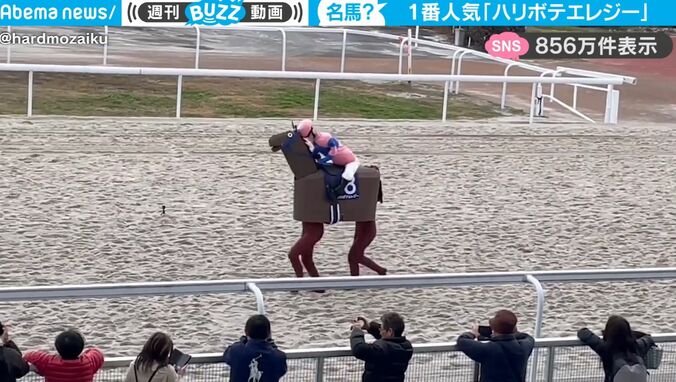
point(314, 200)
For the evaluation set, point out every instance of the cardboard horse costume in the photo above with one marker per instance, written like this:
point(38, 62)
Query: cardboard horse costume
point(318, 201)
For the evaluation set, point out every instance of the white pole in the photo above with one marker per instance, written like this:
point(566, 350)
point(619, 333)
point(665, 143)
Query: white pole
point(532, 104)
point(401, 55)
point(410, 53)
point(30, 94)
point(283, 49)
point(445, 110)
point(609, 96)
point(540, 101)
point(179, 92)
point(504, 87)
point(317, 99)
point(105, 46)
point(197, 47)
point(417, 33)
point(342, 55)
point(9, 47)
point(574, 96)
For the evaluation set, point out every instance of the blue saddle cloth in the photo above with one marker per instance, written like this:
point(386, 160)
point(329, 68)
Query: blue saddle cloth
point(333, 178)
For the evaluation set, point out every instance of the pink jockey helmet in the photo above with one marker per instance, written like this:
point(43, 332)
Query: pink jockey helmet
point(305, 127)
point(322, 139)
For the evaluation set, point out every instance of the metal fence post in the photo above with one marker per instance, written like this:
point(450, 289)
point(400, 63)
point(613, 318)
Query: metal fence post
point(457, 84)
point(319, 375)
point(401, 54)
point(574, 96)
point(612, 105)
point(105, 46)
point(410, 52)
point(29, 110)
point(532, 104)
point(445, 109)
point(260, 302)
point(197, 47)
point(538, 320)
point(283, 49)
point(504, 87)
point(551, 355)
point(342, 55)
point(9, 47)
point(179, 92)
point(316, 113)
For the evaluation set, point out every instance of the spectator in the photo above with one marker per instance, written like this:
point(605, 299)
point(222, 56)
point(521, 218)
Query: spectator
point(621, 353)
point(255, 357)
point(504, 357)
point(71, 364)
point(386, 360)
point(152, 364)
point(12, 366)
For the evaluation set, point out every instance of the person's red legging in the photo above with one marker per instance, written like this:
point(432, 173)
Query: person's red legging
point(364, 233)
point(303, 250)
point(301, 253)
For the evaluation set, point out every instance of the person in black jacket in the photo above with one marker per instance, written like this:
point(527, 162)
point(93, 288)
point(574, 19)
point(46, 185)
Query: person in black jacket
point(619, 342)
point(388, 357)
point(255, 357)
point(12, 364)
point(504, 358)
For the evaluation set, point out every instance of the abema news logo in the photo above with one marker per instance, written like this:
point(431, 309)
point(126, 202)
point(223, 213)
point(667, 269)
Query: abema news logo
point(507, 45)
point(60, 13)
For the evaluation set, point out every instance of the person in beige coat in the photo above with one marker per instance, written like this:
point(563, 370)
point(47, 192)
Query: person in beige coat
point(152, 365)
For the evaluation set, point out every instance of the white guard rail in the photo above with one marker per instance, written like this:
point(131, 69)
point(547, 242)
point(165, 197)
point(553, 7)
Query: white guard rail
point(609, 82)
point(257, 286)
point(458, 54)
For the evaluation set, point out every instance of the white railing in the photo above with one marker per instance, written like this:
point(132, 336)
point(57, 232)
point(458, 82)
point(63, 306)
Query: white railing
point(257, 286)
point(609, 82)
point(458, 55)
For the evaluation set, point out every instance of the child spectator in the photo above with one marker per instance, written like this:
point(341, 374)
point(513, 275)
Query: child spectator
point(255, 357)
point(71, 364)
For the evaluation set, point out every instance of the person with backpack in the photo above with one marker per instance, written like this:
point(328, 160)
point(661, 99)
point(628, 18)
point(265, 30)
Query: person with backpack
point(622, 355)
point(504, 356)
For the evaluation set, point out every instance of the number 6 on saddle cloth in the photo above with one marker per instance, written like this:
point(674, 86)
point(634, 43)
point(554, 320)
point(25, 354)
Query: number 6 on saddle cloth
point(335, 194)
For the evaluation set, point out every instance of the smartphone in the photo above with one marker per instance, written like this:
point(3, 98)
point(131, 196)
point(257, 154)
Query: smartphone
point(485, 331)
point(179, 359)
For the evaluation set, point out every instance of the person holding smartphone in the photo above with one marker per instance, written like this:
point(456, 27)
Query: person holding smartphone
point(153, 363)
point(386, 359)
point(504, 356)
point(12, 365)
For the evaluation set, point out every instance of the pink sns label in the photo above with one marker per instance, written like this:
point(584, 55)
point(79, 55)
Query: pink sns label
point(507, 45)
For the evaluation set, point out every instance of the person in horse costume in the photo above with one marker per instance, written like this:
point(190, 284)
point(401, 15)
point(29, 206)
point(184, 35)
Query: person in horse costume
point(311, 156)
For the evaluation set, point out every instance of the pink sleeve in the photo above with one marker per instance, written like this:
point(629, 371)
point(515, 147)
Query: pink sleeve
point(38, 358)
point(95, 357)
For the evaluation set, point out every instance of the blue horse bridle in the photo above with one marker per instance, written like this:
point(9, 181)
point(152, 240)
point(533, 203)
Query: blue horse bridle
point(293, 137)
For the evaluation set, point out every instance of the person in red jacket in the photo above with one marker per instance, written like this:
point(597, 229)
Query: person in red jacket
point(71, 364)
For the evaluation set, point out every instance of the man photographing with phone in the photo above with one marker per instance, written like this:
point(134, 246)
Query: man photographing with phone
point(388, 357)
point(504, 357)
